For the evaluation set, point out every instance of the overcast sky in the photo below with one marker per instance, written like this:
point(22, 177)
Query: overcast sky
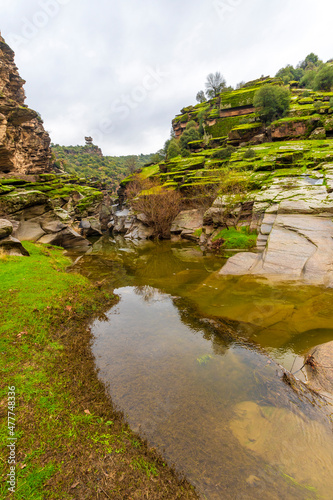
point(121, 70)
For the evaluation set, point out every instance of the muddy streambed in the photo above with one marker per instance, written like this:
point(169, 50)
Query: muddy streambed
point(189, 357)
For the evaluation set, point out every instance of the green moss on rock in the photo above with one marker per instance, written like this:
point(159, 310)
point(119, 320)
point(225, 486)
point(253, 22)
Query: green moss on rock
point(20, 200)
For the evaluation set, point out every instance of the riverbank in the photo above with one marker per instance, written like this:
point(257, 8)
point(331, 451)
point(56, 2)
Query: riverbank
point(71, 443)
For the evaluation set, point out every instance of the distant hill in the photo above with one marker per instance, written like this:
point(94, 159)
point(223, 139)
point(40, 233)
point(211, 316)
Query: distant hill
point(88, 161)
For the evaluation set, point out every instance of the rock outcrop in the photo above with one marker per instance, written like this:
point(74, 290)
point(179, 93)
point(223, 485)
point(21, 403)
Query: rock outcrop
point(54, 209)
point(8, 244)
point(130, 224)
point(24, 144)
point(188, 224)
point(319, 367)
point(295, 234)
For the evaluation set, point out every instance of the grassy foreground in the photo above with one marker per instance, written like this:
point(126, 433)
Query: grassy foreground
point(71, 443)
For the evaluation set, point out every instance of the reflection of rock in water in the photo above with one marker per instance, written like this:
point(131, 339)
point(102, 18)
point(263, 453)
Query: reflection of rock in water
point(222, 334)
point(97, 268)
point(305, 340)
point(147, 292)
point(282, 437)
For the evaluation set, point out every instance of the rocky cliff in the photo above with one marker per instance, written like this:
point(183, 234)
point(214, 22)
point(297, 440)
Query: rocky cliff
point(39, 202)
point(24, 144)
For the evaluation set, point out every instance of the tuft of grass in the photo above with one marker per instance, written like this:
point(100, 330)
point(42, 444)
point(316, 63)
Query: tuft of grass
point(142, 464)
point(198, 232)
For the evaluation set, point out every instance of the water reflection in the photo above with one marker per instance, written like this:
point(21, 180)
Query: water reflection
point(286, 320)
point(215, 407)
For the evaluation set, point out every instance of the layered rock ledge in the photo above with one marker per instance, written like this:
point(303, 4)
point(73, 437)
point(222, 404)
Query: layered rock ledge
point(295, 234)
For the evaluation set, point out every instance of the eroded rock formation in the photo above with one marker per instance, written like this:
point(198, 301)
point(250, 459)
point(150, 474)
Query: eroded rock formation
point(24, 144)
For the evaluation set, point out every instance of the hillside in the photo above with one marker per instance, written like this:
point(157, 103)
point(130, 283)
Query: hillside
point(237, 143)
point(88, 161)
point(245, 183)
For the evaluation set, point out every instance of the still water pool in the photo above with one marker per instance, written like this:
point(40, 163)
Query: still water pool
point(185, 355)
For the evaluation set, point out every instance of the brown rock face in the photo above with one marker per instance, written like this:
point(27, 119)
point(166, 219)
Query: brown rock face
point(24, 144)
point(289, 130)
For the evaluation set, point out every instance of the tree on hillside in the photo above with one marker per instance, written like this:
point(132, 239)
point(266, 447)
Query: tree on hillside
point(173, 149)
point(215, 84)
point(304, 72)
point(240, 85)
point(272, 102)
point(158, 156)
point(289, 73)
point(307, 80)
point(131, 164)
point(200, 97)
point(324, 78)
point(311, 60)
point(190, 134)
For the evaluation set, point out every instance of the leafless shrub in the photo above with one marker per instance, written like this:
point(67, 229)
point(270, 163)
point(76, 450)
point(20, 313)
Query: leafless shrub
point(137, 185)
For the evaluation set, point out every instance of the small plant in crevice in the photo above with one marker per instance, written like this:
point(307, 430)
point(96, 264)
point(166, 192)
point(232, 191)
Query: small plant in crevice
point(224, 153)
point(249, 153)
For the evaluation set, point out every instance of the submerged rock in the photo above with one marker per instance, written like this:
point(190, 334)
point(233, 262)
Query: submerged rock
point(282, 437)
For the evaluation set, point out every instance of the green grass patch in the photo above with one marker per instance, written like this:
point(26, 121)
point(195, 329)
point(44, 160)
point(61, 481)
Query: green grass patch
point(147, 172)
point(292, 119)
point(148, 468)
point(240, 238)
point(248, 126)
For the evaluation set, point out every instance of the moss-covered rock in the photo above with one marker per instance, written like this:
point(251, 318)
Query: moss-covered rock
point(318, 133)
point(306, 100)
point(20, 200)
point(244, 132)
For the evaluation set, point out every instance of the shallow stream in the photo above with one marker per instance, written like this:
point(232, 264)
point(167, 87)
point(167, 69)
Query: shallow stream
point(189, 356)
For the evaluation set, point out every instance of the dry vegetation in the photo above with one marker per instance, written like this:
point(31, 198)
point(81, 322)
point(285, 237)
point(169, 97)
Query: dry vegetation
point(159, 206)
